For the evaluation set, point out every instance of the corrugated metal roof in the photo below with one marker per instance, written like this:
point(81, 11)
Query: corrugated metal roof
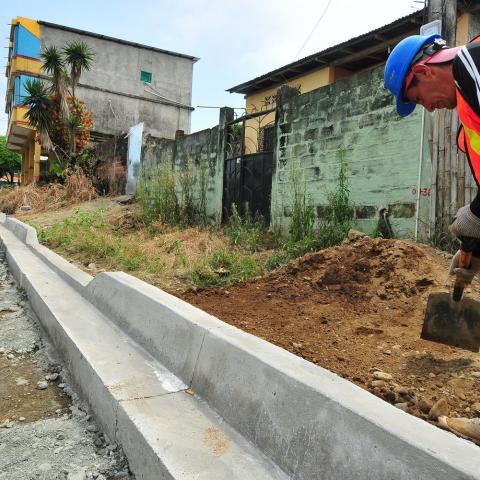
point(370, 44)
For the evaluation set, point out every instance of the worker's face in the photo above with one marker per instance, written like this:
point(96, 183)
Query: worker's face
point(434, 88)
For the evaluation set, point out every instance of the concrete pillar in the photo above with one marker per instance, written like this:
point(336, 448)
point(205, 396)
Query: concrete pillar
point(226, 115)
point(26, 164)
point(36, 162)
point(31, 160)
point(282, 116)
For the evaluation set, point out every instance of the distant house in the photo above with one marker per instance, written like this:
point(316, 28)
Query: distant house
point(128, 83)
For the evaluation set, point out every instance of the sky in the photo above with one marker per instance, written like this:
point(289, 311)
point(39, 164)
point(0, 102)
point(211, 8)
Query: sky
point(236, 41)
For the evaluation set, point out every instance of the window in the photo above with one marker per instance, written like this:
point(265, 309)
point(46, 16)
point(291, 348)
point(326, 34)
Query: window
point(145, 77)
point(265, 140)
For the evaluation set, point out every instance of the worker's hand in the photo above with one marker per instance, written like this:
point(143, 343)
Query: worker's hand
point(465, 224)
point(465, 274)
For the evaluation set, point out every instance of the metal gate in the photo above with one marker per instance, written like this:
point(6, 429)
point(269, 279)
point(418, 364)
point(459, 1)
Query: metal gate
point(248, 165)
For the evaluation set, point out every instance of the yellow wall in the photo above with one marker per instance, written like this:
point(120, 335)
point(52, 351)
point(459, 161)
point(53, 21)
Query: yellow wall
point(31, 25)
point(27, 65)
point(462, 30)
point(266, 100)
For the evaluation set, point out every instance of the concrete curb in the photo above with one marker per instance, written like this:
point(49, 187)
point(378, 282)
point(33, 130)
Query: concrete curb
point(75, 277)
point(310, 422)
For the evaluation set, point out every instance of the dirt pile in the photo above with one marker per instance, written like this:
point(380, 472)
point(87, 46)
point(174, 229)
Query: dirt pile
point(357, 310)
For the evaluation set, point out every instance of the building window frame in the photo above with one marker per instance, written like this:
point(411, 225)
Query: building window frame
point(145, 77)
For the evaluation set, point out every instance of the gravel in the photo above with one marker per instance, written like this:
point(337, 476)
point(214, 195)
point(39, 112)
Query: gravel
point(68, 445)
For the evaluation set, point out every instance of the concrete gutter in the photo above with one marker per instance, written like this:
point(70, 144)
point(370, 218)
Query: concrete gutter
point(258, 411)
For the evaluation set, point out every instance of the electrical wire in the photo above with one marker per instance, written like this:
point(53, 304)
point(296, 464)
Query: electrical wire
point(158, 94)
point(314, 28)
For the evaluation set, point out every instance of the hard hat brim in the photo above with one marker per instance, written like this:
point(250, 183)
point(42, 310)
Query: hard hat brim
point(405, 108)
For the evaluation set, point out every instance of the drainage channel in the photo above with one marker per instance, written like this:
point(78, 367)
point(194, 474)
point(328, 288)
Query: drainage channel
point(46, 430)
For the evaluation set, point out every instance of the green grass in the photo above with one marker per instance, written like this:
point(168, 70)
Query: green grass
point(224, 267)
point(89, 234)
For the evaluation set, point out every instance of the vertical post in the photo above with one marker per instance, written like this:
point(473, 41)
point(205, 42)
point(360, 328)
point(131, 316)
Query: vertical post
point(444, 151)
point(226, 115)
point(31, 161)
point(26, 171)
point(282, 117)
point(23, 167)
point(36, 161)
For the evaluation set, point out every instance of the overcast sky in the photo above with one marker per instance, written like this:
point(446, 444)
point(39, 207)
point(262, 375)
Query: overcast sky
point(235, 40)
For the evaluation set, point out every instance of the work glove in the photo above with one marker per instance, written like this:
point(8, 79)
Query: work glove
point(465, 224)
point(465, 274)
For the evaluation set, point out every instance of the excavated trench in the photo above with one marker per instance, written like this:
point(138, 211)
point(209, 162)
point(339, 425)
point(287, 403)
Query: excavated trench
point(46, 431)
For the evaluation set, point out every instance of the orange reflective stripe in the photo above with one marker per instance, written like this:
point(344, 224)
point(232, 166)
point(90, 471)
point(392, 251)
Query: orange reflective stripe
point(468, 138)
point(461, 142)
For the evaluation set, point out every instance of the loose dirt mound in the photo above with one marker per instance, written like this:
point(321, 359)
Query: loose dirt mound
point(357, 309)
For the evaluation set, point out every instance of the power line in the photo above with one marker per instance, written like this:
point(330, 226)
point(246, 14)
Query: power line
point(313, 30)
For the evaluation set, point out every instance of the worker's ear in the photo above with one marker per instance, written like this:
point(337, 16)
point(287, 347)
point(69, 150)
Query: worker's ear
point(422, 71)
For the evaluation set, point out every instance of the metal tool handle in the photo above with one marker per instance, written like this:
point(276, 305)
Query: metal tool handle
point(467, 247)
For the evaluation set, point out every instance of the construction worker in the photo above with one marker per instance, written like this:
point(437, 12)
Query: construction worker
point(422, 69)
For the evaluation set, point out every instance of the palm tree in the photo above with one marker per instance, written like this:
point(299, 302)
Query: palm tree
point(54, 65)
point(74, 125)
point(78, 56)
point(39, 114)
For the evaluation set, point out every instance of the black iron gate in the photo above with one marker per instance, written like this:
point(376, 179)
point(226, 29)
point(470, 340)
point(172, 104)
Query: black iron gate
point(248, 176)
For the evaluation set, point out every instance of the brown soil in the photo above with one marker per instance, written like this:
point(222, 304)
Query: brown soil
point(354, 309)
point(19, 396)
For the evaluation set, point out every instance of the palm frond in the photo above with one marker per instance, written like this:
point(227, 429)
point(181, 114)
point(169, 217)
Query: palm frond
point(39, 114)
point(52, 60)
point(78, 56)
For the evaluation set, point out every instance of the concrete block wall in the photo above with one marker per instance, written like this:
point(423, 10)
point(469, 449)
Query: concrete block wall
point(201, 153)
point(355, 116)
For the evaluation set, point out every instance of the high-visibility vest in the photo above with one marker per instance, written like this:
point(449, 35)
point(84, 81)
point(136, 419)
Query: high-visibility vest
point(468, 137)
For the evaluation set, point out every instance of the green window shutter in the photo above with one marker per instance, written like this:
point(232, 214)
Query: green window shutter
point(145, 77)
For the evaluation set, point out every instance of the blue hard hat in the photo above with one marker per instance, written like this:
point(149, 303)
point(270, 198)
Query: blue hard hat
point(398, 65)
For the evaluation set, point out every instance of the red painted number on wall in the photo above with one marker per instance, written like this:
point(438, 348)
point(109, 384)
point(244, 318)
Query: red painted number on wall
point(424, 192)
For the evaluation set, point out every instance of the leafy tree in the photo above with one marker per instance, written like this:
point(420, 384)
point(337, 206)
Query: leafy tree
point(10, 162)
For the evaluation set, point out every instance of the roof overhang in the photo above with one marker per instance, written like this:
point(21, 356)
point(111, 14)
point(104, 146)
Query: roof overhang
point(355, 54)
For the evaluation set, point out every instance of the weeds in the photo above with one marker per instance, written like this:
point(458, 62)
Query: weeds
point(186, 180)
point(169, 196)
point(88, 233)
point(224, 267)
point(333, 227)
point(338, 213)
point(302, 225)
point(157, 195)
point(247, 231)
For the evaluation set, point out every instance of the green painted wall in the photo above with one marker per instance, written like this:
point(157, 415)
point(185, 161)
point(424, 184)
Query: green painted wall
point(355, 115)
